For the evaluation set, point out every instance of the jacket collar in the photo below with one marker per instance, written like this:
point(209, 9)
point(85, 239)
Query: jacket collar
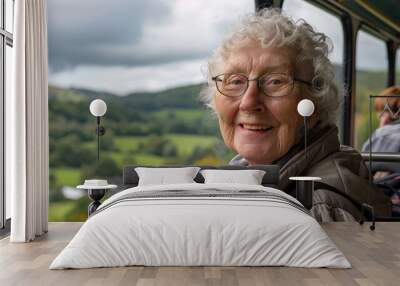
point(323, 142)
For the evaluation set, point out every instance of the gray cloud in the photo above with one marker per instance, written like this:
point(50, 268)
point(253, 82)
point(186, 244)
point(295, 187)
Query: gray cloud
point(131, 33)
point(99, 32)
point(121, 46)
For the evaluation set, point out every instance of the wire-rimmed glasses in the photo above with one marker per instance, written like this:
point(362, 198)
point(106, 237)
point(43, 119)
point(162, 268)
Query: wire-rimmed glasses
point(272, 84)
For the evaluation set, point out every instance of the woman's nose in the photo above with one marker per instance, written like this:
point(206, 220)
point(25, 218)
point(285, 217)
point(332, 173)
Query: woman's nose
point(252, 99)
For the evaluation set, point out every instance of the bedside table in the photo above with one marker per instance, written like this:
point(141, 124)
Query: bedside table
point(96, 191)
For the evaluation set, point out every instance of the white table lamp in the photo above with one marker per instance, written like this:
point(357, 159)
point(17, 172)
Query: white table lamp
point(98, 108)
point(304, 184)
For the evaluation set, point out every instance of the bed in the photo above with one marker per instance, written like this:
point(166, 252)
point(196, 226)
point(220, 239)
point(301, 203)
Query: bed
point(201, 224)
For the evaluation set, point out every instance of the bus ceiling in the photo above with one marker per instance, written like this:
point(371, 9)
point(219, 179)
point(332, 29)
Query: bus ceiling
point(380, 16)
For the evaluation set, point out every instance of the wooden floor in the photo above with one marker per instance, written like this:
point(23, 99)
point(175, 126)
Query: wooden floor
point(375, 256)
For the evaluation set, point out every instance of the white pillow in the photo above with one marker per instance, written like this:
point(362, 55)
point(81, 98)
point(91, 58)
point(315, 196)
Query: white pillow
point(163, 176)
point(248, 177)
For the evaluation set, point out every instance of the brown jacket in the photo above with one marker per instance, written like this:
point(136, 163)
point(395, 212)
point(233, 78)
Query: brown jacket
point(344, 177)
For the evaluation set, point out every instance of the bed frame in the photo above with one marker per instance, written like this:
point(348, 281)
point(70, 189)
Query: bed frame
point(271, 178)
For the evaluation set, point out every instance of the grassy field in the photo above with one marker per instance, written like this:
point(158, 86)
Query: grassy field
point(127, 152)
point(58, 210)
point(67, 176)
point(147, 159)
point(118, 157)
point(183, 114)
point(129, 143)
point(130, 154)
point(184, 143)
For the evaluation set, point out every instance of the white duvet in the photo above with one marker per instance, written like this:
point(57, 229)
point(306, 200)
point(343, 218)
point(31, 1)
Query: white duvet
point(200, 231)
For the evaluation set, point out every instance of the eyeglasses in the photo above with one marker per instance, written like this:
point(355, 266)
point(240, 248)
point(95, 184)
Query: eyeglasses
point(272, 84)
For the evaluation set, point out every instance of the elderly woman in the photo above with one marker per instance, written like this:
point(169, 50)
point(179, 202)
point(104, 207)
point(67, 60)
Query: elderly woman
point(256, 79)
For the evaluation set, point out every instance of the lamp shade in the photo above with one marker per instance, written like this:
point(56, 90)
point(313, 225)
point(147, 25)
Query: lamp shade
point(305, 107)
point(98, 107)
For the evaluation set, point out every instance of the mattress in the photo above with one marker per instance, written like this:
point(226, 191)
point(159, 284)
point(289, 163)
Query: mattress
point(201, 225)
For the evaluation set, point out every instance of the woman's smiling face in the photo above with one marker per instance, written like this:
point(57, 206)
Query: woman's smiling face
point(258, 127)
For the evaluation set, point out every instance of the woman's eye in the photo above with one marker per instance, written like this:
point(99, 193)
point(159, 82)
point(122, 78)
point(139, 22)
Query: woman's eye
point(274, 81)
point(235, 81)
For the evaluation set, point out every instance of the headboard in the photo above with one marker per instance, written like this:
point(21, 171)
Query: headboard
point(270, 179)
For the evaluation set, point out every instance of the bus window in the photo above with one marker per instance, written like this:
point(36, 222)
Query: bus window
point(145, 60)
point(371, 68)
point(326, 23)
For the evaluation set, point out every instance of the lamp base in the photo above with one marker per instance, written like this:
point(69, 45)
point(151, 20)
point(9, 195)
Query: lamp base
point(304, 193)
point(96, 195)
point(305, 189)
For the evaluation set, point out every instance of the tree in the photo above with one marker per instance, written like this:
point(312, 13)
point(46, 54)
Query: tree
point(70, 152)
point(106, 168)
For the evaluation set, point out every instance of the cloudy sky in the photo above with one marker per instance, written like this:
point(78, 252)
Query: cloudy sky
point(127, 45)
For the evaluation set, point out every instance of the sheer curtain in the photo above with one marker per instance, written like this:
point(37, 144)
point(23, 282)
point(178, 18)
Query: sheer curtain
point(27, 124)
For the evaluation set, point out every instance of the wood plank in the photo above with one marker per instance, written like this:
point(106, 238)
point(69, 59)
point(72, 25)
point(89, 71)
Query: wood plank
point(375, 257)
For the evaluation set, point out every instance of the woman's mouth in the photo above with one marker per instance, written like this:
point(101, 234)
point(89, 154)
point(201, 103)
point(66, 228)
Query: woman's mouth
point(261, 128)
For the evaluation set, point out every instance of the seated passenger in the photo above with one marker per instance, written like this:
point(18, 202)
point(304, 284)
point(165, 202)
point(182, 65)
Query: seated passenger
point(255, 80)
point(387, 137)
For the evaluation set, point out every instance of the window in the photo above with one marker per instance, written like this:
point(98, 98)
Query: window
point(326, 23)
point(371, 68)
point(145, 59)
point(9, 63)
point(6, 29)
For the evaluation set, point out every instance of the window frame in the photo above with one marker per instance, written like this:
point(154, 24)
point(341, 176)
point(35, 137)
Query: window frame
point(6, 39)
point(396, 68)
point(392, 47)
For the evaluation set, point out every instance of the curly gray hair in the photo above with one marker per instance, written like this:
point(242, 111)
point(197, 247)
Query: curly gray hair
point(272, 28)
